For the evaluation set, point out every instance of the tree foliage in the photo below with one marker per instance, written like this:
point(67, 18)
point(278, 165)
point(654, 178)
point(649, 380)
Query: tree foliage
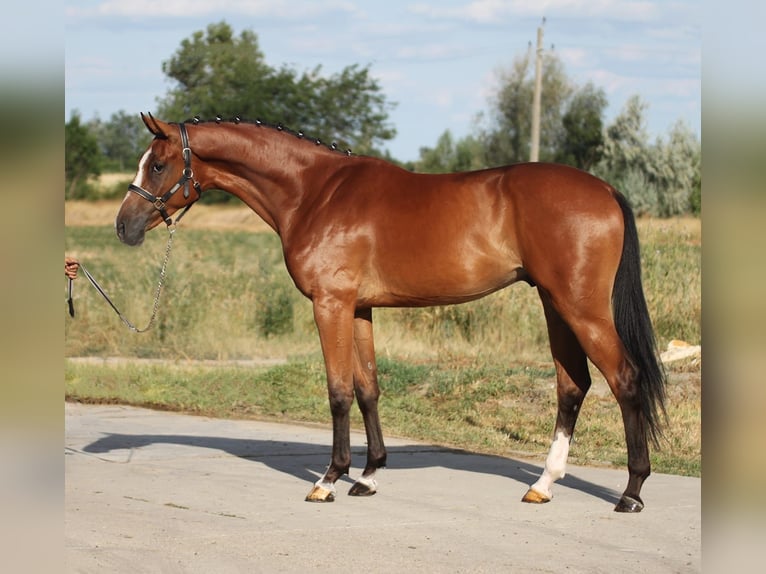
point(659, 179)
point(121, 140)
point(582, 139)
point(507, 140)
point(675, 170)
point(571, 124)
point(82, 157)
point(450, 156)
point(218, 73)
point(626, 155)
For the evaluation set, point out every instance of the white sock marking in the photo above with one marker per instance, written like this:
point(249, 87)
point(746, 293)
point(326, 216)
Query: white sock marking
point(555, 465)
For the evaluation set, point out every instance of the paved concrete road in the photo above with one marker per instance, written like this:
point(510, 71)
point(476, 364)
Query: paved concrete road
point(150, 491)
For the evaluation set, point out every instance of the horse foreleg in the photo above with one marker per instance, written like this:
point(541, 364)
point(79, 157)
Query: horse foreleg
point(367, 393)
point(572, 383)
point(334, 320)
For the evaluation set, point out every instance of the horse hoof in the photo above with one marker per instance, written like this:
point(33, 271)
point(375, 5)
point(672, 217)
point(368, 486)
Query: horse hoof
point(535, 497)
point(319, 494)
point(361, 489)
point(629, 504)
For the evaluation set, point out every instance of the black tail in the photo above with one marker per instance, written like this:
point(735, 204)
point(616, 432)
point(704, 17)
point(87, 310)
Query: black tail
point(634, 326)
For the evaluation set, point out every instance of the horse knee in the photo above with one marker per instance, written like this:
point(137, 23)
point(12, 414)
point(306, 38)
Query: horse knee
point(340, 401)
point(367, 397)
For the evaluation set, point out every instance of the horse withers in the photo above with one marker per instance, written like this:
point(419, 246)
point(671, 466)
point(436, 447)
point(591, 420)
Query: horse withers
point(359, 232)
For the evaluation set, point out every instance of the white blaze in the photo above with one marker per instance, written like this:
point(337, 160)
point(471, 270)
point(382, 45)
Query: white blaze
point(139, 179)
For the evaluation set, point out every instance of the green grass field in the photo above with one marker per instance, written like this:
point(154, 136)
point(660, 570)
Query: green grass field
point(476, 376)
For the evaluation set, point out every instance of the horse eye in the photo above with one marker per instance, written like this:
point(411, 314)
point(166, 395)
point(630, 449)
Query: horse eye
point(158, 167)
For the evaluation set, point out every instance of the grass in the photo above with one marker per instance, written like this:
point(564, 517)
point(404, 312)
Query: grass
point(476, 376)
point(477, 407)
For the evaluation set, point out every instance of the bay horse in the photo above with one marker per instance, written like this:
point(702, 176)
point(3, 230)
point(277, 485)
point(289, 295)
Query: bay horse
point(359, 232)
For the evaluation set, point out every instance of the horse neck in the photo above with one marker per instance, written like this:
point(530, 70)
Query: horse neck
point(264, 167)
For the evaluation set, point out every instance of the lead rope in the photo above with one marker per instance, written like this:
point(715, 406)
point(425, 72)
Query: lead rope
point(128, 324)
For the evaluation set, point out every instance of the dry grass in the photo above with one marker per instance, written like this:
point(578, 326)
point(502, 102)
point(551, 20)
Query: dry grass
point(214, 217)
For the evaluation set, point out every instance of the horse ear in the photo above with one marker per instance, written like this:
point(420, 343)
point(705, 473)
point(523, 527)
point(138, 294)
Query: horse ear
point(153, 126)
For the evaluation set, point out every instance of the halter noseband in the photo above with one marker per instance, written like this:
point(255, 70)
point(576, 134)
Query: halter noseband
point(160, 202)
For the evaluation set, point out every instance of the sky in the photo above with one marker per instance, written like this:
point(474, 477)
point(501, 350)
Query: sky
point(439, 61)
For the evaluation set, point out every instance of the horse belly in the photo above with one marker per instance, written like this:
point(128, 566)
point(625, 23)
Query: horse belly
point(419, 281)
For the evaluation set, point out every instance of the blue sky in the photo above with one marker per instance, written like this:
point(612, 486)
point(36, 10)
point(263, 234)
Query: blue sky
point(437, 60)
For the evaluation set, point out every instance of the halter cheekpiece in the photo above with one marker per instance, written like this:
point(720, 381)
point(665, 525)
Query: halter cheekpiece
point(187, 177)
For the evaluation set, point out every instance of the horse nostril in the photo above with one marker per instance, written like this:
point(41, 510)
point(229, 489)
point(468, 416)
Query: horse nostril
point(120, 225)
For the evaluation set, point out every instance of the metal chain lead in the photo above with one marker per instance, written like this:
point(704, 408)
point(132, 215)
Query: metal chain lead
point(157, 294)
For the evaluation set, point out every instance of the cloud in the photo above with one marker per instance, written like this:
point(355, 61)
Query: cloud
point(150, 9)
point(442, 98)
point(490, 11)
point(575, 57)
point(650, 87)
point(430, 51)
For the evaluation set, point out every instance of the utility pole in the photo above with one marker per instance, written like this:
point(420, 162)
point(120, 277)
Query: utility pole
point(534, 154)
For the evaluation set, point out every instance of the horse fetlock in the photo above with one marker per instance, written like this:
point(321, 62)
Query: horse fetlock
point(364, 486)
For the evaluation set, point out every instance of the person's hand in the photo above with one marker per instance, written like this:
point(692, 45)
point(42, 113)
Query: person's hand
point(71, 265)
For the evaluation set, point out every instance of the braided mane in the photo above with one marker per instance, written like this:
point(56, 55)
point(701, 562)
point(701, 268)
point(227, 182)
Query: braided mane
point(260, 123)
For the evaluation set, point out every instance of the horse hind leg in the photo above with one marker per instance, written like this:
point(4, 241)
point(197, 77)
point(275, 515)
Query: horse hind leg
point(367, 393)
point(603, 346)
point(572, 383)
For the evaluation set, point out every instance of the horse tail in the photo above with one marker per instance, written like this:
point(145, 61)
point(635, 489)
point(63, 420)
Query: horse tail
point(634, 326)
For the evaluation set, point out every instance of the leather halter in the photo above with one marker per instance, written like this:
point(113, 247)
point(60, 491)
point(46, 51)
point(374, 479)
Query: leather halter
point(187, 176)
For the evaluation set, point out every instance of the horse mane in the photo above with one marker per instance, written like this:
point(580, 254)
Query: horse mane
point(333, 146)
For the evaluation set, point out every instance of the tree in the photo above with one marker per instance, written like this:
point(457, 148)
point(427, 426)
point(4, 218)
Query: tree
point(216, 73)
point(571, 117)
point(626, 140)
point(122, 139)
point(213, 71)
point(510, 116)
point(675, 170)
point(582, 138)
point(508, 142)
point(626, 155)
point(82, 157)
point(450, 156)
point(659, 179)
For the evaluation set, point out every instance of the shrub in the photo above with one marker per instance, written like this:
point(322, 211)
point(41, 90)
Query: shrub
point(274, 309)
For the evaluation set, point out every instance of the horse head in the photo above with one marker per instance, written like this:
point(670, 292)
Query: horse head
point(164, 169)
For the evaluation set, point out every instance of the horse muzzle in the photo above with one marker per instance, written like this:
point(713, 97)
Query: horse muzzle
point(131, 231)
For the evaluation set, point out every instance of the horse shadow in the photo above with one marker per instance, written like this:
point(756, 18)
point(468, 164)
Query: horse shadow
point(308, 461)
